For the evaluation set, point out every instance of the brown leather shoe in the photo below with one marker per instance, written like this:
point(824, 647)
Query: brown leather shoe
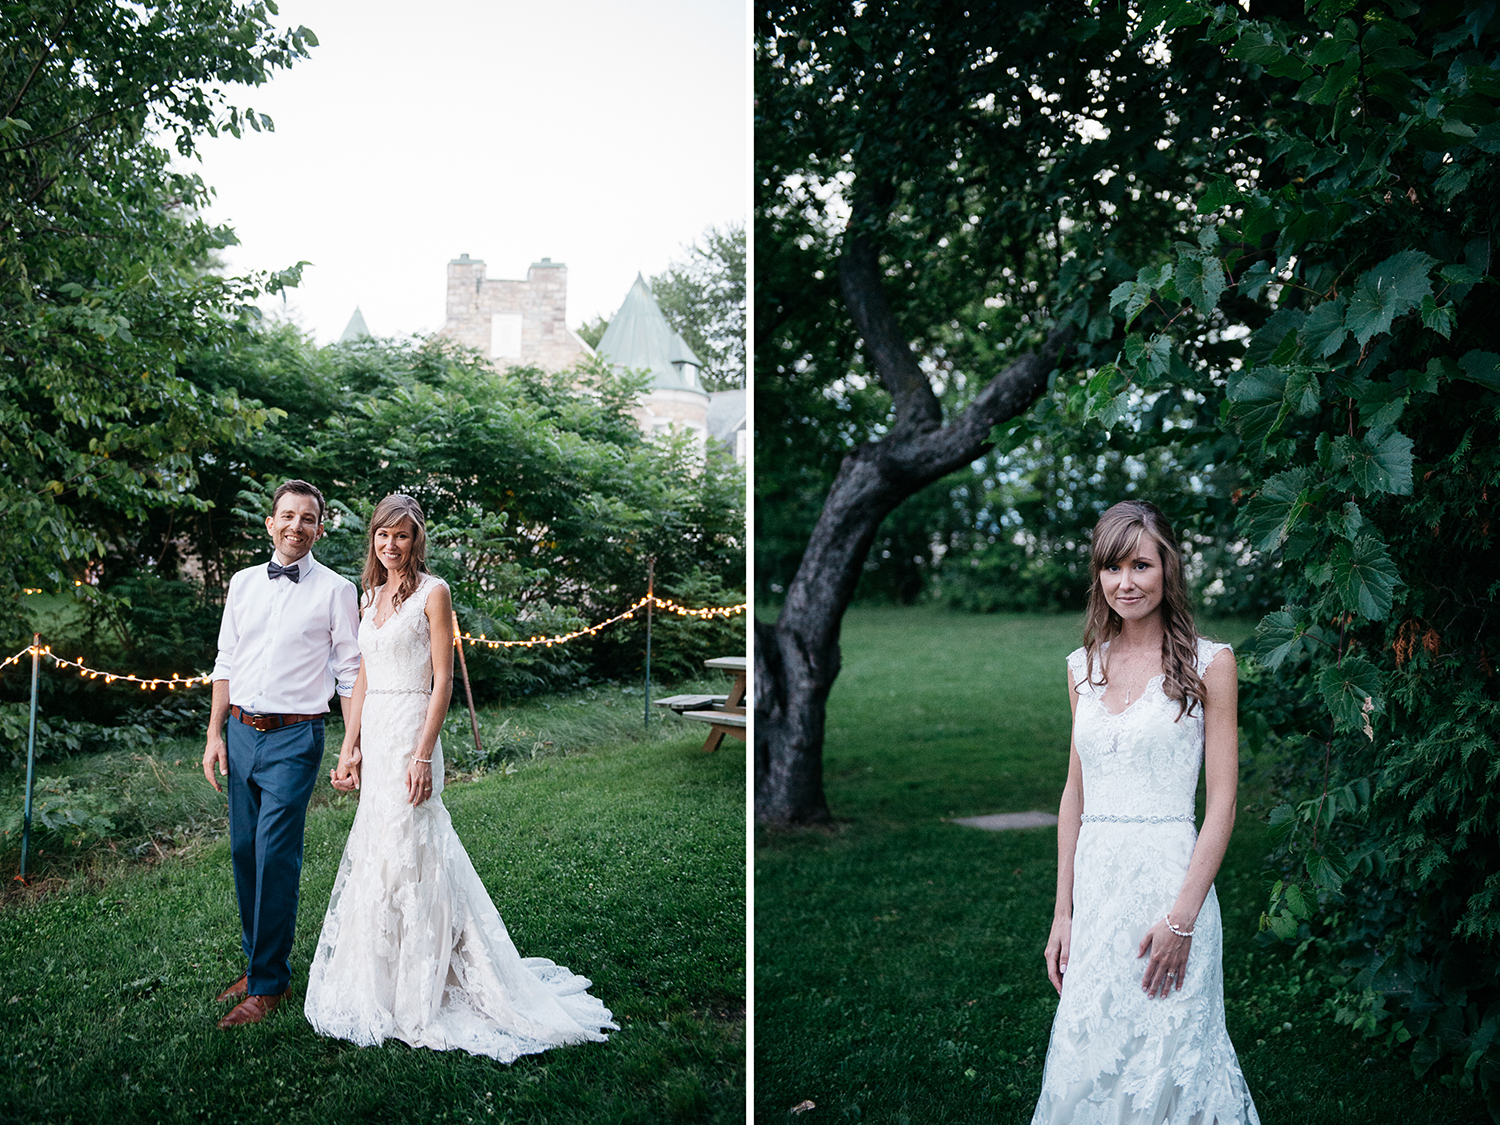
point(236, 991)
point(252, 1009)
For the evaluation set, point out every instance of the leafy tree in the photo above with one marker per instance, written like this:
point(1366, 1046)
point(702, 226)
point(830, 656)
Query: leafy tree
point(944, 198)
point(1368, 405)
point(703, 298)
point(1321, 324)
point(592, 331)
point(544, 503)
point(104, 284)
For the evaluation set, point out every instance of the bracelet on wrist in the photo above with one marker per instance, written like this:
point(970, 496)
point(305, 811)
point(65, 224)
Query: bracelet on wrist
point(426, 761)
point(1167, 918)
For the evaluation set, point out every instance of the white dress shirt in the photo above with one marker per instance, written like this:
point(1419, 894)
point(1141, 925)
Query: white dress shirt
point(285, 647)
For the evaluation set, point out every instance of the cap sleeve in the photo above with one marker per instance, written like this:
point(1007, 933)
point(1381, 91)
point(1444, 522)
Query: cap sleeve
point(429, 583)
point(1078, 666)
point(1207, 650)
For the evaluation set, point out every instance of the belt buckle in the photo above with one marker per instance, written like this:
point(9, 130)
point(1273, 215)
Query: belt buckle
point(257, 721)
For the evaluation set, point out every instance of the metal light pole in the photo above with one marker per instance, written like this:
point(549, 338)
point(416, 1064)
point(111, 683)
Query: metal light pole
point(36, 660)
point(650, 594)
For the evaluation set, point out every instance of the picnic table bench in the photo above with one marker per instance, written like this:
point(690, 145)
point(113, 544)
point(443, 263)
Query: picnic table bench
point(724, 722)
point(681, 703)
point(725, 714)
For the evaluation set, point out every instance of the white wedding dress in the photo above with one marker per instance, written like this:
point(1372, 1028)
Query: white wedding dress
point(412, 948)
point(1117, 1055)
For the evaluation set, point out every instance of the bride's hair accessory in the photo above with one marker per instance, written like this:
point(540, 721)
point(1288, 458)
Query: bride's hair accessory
point(1180, 933)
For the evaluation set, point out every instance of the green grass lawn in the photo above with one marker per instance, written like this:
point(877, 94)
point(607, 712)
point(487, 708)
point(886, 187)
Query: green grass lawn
point(614, 850)
point(899, 974)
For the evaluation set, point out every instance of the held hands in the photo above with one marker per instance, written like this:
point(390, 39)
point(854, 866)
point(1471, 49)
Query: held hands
point(1057, 951)
point(419, 779)
point(1169, 956)
point(345, 776)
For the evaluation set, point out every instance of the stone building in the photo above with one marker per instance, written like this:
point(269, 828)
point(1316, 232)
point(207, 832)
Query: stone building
point(524, 322)
point(640, 339)
point(513, 322)
point(727, 418)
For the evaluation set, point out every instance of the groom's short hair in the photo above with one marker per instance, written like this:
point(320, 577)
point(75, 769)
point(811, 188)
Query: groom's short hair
point(301, 488)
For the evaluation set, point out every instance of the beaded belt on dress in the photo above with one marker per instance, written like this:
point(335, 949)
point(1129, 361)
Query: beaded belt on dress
point(1087, 817)
point(398, 691)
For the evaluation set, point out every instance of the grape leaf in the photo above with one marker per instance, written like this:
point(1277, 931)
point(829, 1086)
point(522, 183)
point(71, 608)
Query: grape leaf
point(1158, 355)
point(1437, 317)
point(1482, 368)
point(1323, 331)
point(1370, 311)
point(1328, 869)
point(1257, 395)
point(1269, 342)
point(1406, 274)
point(1275, 510)
point(1283, 926)
point(1254, 279)
point(1365, 576)
point(1278, 638)
point(1279, 826)
point(1380, 463)
point(1393, 288)
point(1220, 192)
point(1346, 686)
point(1134, 295)
point(1302, 391)
point(1200, 278)
point(1352, 522)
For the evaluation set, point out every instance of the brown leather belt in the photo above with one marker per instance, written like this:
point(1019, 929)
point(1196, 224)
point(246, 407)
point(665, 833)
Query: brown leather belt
point(268, 722)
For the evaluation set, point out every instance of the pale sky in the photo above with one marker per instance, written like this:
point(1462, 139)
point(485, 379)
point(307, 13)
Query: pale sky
point(606, 134)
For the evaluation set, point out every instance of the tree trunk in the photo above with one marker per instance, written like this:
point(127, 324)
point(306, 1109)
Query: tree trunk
point(797, 659)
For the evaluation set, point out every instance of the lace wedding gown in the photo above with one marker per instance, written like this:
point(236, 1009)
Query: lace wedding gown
point(1117, 1055)
point(412, 948)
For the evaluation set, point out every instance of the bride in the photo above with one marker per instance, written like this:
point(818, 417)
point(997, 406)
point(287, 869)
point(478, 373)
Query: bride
point(1136, 950)
point(412, 948)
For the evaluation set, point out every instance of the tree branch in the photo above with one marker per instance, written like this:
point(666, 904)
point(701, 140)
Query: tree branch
point(917, 408)
point(939, 452)
point(89, 120)
point(50, 44)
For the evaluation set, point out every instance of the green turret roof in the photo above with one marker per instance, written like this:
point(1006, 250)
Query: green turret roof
point(639, 338)
point(355, 329)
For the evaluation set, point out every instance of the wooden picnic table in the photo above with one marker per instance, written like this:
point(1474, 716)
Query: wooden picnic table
point(736, 699)
point(729, 717)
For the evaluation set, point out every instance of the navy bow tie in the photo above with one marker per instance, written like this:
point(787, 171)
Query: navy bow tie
point(276, 570)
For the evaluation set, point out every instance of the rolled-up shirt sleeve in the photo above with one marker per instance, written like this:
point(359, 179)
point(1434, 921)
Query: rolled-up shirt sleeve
point(344, 627)
point(229, 636)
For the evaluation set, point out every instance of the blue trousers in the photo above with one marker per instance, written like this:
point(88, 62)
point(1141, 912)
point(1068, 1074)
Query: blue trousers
point(271, 778)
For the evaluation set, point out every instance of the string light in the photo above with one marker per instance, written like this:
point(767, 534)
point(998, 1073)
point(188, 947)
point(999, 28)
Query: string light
point(151, 683)
point(650, 599)
point(148, 683)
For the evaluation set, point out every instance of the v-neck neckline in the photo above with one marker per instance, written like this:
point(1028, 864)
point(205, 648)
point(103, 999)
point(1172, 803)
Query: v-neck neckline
point(1145, 690)
point(375, 608)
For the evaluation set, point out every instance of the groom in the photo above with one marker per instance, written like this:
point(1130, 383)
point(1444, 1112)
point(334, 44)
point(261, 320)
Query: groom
point(288, 640)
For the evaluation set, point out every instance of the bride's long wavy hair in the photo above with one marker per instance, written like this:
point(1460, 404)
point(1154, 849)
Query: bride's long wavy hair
point(395, 509)
point(1116, 536)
